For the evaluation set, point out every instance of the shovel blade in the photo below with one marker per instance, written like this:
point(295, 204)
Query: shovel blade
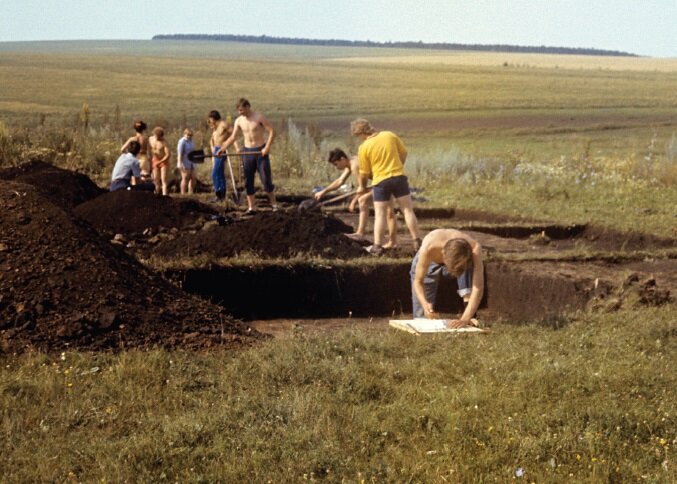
point(308, 205)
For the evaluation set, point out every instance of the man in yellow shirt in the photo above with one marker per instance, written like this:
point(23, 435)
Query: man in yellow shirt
point(382, 156)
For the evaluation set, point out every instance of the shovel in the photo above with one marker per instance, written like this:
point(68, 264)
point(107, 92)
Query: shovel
point(198, 156)
point(312, 204)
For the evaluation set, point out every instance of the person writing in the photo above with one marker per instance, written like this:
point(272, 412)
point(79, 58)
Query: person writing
point(447, 253)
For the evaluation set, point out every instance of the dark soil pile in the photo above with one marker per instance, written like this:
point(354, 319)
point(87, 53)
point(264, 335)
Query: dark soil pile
point(63, 187)
point(270, 234)
point(63, 285)
point(130, 212)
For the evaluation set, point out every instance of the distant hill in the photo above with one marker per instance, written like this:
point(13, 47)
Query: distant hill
point(265, 39)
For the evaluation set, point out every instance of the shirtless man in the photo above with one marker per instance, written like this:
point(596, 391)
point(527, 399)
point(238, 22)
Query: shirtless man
point(252, 126)
point(161, 153)
point(445, 253)
point(221, 130)
point(351, 166)
point(144, 161)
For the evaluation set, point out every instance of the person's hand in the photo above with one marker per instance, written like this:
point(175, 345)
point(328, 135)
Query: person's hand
point(430, 313)
point(361, 190)
point(221, 152)
point(265, 151)
point(318, 196)
point(458, 323)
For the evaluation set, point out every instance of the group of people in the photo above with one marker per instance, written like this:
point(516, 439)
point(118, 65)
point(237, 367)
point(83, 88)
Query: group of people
point(380, 159)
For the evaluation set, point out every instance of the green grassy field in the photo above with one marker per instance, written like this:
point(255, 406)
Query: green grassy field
point(569, 140)
point(592, 402)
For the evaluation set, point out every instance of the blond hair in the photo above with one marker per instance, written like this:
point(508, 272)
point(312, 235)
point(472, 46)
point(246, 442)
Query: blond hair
point(158, 132)
point(361, 127)
point(457, 255)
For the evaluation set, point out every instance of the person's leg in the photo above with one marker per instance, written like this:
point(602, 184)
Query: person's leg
point(391, 220)
point(219, 175)
point(163, 179)
point(184, 181)
point(192, 182)
point(156, 179)
point(380, 209)
point(430, 286)
point(266, 177)
point(249, 165)
point(407, 207)
point(363, 203)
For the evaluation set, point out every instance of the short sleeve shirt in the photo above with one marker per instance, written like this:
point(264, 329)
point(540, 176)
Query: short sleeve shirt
point(381, 156)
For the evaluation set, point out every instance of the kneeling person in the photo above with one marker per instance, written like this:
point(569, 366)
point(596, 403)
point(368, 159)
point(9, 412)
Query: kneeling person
point(446, 253)
point(127, 171)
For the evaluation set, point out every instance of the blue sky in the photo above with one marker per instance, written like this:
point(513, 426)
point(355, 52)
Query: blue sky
point(641, 27)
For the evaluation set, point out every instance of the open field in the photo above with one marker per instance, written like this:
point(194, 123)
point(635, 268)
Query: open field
point(123, 351)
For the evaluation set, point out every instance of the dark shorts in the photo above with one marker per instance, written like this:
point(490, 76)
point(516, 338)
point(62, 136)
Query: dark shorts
point(396, 186)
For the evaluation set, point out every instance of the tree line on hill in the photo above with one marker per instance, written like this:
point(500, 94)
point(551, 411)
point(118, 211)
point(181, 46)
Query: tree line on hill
point(265, 39)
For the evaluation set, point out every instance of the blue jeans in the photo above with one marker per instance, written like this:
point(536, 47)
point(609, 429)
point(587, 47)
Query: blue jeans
point(219, 174)
point(432, 281)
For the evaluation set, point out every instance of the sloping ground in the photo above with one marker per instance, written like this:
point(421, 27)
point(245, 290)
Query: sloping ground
point(63, 187)
point(63, 285)
point(130, 212)
point(269, 234)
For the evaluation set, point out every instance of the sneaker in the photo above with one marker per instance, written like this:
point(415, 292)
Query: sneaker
point(417, 244)
point(250, 211)
point(374, 249)
point(275, 208)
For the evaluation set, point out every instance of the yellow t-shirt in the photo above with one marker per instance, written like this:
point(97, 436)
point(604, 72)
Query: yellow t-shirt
point(381, 156)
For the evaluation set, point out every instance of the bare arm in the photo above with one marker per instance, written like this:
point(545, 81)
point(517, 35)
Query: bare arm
point(237, 132)
point(126, 145)
point(477, 289)
point(419, 276)
point(271, 134)
point(334, 185)
point(167, 153)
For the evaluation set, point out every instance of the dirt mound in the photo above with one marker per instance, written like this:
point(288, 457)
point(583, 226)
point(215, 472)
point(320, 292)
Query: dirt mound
point(130, 212)
point(63, 187)
point(270, 234)
point(633, 293)
point(63, 285)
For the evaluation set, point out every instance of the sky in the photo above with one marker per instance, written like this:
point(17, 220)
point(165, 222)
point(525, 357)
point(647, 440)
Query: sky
point(644, 27)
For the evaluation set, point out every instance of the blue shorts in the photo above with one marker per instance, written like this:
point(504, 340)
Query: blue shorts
point(396, 186)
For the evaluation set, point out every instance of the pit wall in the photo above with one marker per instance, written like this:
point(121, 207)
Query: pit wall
point(311, 291)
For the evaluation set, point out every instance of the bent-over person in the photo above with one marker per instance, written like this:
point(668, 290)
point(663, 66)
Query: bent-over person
point(447, 253)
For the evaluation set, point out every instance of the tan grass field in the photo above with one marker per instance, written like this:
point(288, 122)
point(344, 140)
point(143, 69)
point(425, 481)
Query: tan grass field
point(526, 61)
